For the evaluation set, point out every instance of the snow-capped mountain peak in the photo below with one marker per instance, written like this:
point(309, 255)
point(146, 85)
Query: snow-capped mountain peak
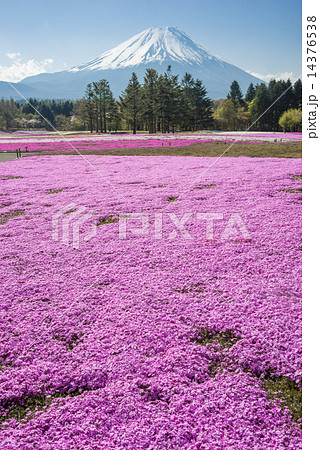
point(155, 48)
point(156, 44)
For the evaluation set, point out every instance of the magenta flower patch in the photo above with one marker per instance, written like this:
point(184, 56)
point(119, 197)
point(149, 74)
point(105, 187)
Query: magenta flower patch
point(149, 342)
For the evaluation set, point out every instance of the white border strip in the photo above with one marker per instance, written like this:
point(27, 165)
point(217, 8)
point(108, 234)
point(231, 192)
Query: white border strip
point(311, 237)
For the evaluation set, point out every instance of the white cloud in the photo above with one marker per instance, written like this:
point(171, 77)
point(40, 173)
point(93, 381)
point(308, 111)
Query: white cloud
point(13, 55)
point(18, 69)
point(276, 76)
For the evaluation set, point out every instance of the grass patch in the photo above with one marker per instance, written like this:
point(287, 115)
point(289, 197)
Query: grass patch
point(31, 404)
point(171, 199)
point(70, 342)
point(108, 219)
point(26, 407)
point(277, 387)
point(205, 186)
point(10, 177)
point(210, 149)
point(286, 390)
point(55, 191)
point(226, 339)
point(9, 215)
point(135, 182)
point(68, 212)
point(194, 287)
point(293, 191)
point(74, 341)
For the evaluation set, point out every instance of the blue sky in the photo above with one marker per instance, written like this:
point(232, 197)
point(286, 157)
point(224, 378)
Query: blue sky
point(263, 37)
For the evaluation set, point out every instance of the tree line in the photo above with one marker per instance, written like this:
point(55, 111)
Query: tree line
point(22, 115)
point(162, 103)
point(262, 108)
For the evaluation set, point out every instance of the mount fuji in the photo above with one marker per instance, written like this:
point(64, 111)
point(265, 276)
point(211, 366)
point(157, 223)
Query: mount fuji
point(156, 48)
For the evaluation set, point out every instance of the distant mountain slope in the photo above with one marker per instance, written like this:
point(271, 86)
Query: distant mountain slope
point(155, 47)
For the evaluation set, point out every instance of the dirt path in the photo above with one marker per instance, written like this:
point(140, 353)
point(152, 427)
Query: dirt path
point(12, 155)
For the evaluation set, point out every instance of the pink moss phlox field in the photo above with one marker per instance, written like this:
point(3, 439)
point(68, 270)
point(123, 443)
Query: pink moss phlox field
point(110, 334)
point(94, 145)
point(42, 141)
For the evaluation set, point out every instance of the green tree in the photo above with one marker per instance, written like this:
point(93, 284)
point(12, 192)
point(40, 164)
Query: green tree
point(9, 114)
point(251, 92)
point(287, 100)
point(169, 101)
point(227, 114)
point(97, 100)
point(114, 114)
point(235, 94)
point(88, 110)
point(131, 102)
point(275, 93)
point(102, 102)
point(149, 99)
point(187, 102)
point(297, 92)
point(202, 106)
point(107, 103)
point(259, 108)
point(291, 120)
point(47, 114)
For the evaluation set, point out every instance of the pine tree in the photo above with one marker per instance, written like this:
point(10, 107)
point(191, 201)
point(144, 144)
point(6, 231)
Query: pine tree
point(106, 96)
point(101, 98)
point(27, 107)
point(131, 101)
point(202, 106)
point(89, 106)
point(275, 91)
point(97, 101)
point(235, 94)
point(47, 114)
point(258, 107)
point(169, 101)
point(187, 102)
point(297, 92)
point(288, 98)
point(250, 93)
point(114, 114)
point(149, 99)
